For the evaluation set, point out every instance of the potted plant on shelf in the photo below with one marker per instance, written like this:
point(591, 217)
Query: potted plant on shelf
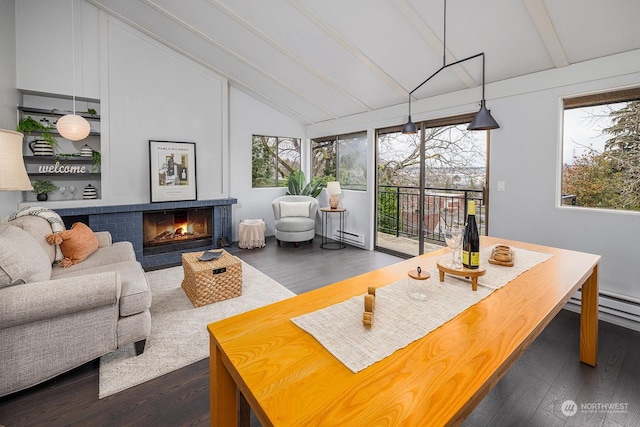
point(42, 188)
point(29, 125)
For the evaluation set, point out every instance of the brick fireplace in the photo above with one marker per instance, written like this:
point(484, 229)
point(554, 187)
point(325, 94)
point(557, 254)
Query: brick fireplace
point(172, 230)
point(126, 222)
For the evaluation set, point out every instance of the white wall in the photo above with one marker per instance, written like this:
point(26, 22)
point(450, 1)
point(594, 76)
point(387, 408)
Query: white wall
point(525, 154)
point(9, 97)
point(154, 93)
point(45, 59)
point(248, 117)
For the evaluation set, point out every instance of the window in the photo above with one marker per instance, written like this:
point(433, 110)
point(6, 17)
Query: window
point(341, 158)
point(273, 159)
point(601, 151)
point(454, 157)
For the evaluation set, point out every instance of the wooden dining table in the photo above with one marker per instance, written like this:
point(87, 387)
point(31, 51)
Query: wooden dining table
point(262, 360)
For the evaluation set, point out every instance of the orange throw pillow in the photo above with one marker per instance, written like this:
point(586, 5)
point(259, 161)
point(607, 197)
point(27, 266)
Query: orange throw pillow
point(76, 243)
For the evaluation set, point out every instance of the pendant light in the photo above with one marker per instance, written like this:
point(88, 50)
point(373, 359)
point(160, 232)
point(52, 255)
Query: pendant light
point(483, 119)
point(72, 126)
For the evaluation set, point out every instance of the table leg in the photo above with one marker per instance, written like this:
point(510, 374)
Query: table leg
point(223, 400)
point(589, 320)
point(474, 283)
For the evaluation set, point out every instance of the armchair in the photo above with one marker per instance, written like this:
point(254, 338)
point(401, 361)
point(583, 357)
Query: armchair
point(295, 218)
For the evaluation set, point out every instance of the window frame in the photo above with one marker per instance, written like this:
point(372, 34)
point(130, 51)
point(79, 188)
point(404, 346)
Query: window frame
point(278, 181)
point(607, 97)
point(335, 140)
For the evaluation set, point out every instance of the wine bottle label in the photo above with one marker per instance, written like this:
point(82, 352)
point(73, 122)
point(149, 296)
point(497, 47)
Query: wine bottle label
point(475, 259)
point(471, 259)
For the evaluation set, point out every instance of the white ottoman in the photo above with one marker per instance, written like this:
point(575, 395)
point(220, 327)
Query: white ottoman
point(251, 232)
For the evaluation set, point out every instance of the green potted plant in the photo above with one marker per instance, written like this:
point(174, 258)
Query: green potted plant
point(29, 125)
point(96, 161)
point(297, 185)
point(42, 188)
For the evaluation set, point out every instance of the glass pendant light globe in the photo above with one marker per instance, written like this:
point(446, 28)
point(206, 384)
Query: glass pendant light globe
point(73, 127)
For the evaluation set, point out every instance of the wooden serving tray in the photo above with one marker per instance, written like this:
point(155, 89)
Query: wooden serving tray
point(470, 273)
point(509, 263)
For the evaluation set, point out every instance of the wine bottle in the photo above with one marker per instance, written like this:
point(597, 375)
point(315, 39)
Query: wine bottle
point(471, 240)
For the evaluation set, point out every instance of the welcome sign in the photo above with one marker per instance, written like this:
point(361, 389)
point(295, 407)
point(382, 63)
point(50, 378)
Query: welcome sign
point(57, 167)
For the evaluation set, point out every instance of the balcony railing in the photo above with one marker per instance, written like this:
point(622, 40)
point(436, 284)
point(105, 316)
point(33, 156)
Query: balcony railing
point(399, 210)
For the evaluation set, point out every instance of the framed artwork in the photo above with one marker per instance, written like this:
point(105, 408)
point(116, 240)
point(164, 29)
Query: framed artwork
point(173, 171)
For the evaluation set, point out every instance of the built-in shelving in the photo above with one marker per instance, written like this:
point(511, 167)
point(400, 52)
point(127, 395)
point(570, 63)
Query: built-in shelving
point(66, 167)
point(57, 113)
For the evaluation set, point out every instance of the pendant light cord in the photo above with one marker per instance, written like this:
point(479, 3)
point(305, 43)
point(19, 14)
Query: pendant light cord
point(73, 59)
point(444, 37)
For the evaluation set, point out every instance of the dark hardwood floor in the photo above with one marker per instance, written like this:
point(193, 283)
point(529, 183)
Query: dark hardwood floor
point(530, 394)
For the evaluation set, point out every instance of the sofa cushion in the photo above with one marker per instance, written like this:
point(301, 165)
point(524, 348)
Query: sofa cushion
point(294, 209)
point(135, 294)
point(106, 255)
point(38, 228)
point(22, 259)
point(76, 244)
point(295, 224)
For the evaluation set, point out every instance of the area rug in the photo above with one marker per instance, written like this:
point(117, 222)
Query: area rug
point(178, 330)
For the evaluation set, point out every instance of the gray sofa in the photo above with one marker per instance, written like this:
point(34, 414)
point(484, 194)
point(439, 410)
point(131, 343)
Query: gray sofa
point(62, 318)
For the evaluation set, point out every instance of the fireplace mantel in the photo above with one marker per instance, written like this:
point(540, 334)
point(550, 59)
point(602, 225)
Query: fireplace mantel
point(124, 222)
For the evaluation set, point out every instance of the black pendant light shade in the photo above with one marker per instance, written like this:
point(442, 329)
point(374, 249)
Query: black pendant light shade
point(410, 127)
point(483, 119)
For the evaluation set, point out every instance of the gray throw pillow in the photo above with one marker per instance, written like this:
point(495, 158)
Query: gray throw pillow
point(22, 259)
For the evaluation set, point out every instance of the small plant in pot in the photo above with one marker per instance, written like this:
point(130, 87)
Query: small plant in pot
point(29, 124)
point(42, 189)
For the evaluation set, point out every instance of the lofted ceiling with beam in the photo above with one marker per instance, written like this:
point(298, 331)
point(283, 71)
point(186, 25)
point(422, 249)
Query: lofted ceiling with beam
point(318, 60)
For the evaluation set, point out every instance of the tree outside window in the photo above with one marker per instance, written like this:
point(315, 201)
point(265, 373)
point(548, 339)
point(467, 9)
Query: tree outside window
point(274, 159)
point(601, 151)
point(341, 158)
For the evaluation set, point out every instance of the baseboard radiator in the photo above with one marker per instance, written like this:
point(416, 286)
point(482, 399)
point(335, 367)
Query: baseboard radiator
point(614, 308)
point(354, 239)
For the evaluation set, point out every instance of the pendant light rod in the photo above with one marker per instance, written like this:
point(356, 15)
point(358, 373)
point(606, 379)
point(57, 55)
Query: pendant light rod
point(451, 65)
point(488, 122)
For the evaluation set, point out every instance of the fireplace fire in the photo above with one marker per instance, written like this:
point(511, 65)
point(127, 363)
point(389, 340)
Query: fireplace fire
point(175, 230)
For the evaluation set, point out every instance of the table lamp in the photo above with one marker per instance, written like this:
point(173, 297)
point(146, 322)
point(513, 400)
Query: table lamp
point(333, 189)
point(13, 175)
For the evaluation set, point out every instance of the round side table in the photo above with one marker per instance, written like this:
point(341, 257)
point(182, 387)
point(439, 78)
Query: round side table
point(328, 243)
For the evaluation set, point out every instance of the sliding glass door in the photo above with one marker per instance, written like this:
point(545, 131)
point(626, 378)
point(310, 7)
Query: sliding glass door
point(424, 182)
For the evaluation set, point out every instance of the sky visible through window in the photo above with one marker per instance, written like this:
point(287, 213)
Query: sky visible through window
point(583, 130)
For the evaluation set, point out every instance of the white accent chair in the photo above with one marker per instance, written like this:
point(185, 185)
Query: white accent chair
point(295, 218)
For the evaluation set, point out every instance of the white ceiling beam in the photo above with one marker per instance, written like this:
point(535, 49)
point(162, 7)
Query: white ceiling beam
point(432, 40)
point(542, 21)
point(233, 54)
point(209, 66)
point(286, 52)
point(347, 45)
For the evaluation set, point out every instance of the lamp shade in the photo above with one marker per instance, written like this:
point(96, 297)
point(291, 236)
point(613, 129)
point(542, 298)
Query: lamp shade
point(483, 119)
point(73, 127)
point(333, 187)
point(13, 175)
point(409, 127)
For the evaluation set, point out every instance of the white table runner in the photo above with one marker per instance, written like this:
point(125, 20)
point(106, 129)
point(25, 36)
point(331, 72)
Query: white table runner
point(400, 319)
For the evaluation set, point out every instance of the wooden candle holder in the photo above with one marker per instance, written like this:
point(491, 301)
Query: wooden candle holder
point(369, 305)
